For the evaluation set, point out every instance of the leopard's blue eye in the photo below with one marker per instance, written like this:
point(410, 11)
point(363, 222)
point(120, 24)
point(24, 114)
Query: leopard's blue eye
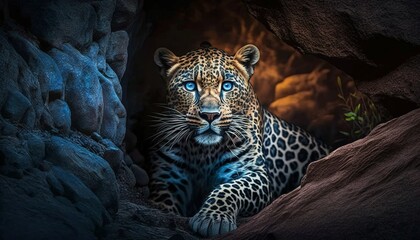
point(189, 86)
point(227, 86)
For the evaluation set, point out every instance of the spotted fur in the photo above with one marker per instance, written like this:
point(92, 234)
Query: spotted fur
point(219, 154)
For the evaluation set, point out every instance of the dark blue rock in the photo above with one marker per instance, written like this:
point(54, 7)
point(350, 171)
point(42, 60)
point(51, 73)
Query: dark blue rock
point(61, 115)
point(83, 92)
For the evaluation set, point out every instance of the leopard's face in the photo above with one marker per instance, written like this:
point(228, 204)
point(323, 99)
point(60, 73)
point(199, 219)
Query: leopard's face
point(209, 90)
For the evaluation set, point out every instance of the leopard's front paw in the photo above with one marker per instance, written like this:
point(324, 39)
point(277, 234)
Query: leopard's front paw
point(212, 224)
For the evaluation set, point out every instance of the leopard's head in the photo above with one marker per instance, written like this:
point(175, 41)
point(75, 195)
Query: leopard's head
point(209, 92)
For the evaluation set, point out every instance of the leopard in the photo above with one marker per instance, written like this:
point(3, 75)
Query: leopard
point(219, 154)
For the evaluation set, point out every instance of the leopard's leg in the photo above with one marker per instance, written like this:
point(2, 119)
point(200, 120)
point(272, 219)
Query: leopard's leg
point(244, 195)
point(169, 186)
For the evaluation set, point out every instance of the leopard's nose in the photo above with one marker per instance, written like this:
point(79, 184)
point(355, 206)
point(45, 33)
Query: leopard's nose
point(209, 116)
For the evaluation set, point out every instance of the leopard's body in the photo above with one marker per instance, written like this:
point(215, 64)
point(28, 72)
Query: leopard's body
point(221, 154)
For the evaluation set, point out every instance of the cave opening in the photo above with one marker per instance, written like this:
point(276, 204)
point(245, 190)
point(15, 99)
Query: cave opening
point(301, 89)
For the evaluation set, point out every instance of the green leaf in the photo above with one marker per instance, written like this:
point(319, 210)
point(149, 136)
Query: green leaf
point(356, 110)
point(348, 119)
point(349, 114)
point(339, 82)
point(345, 133)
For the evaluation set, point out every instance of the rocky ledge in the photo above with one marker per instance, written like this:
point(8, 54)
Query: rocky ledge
point(368, 189)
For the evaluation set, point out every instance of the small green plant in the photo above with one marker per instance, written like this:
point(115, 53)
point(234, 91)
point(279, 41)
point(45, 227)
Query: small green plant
point(360, 113)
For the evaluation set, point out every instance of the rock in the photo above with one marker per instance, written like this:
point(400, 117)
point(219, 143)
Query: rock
point(124, 13)
point(139, 222)
point(97, 57)
point(45, 166)
point(41, 65)
point(364, 190)
point(82, 197)
point(309, 100)
point(128, 175)
point(7, 129)
point(15, 154)
point(38, 207)
point(142, 179)
point(46, 122)
point(116, 54)
point(92, 170)
point(16, 84)
point(35, 145)
point(61, 115)
point(112, 154)
point(17, 107)
point(59, 22)
point(104, 13)
point(399, 90)
point(137, 157)
point(114, 114)
point(83, 92)
point(128, 160)
point(366, 41)
point(96, 136)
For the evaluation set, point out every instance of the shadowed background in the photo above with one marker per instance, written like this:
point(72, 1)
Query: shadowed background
point(300, 89)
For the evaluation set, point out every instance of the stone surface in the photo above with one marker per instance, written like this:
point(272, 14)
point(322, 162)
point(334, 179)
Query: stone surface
point(139, 222)
point(364, 190)
point(128, 161)
point(116, 54)
point(35, 145)
point(61, 115)
point(124, 13)
point(17, 83)
point(112, 154)
point(41, 65)
point(137, 157)
point(365, 39)
point(58, 22)
point(37, 208)
point(93, 170)
point(18, 108)
point(142, 179)
point(83, 92)
point(114, 114)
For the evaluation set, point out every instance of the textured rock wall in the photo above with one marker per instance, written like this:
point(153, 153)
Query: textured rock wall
point(365, 190)
point(62, 120)
point(64, 62)
point(376, 42)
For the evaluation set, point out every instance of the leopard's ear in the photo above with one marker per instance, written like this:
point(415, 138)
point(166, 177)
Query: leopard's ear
point(166, 60)
point(247, 57)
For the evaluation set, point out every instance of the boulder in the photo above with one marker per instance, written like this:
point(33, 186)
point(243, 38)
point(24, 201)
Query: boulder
point(40, 64)
point(35, 145)
point(112, 154)
point(61, 115)
point(92, 170)
point(15, 158)
point(18, 86)
point(83, 92)
point(364, 190)
point(18, 108)
point(114, 114)
point(139, 222)
point(56, 22)
point(125, 12)
point(49, 205)
point(368, 40)
point(142, 179)
point(116, 54)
